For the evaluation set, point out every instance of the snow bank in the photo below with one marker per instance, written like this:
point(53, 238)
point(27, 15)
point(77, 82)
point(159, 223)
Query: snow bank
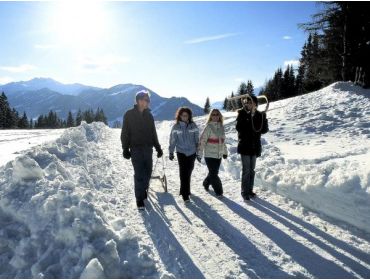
point(50, 226)
point(317, 152)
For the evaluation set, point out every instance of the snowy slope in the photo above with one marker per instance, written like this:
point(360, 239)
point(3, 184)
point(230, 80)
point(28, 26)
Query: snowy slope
point(67, 207)
point(318, 152)
point(14, 141)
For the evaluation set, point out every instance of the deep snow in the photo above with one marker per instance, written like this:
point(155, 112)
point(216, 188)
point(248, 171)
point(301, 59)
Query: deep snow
point(67, 206)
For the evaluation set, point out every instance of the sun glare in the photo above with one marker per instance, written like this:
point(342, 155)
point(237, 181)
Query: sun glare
point(79, 23)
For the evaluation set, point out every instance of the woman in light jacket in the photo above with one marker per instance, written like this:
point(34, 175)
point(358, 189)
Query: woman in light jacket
point(184, 138)
point(212, 143)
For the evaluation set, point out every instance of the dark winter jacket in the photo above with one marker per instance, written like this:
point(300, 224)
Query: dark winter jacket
point(249, 133)
point(138, 130)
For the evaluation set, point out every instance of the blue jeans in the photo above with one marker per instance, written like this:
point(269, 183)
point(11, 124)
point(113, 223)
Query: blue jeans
point(142, 161)
point(249, 164)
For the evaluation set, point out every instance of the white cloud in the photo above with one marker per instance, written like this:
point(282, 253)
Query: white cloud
point(210, 38)
point(293, 62)
point(44, 46)
point(101, 63)
point(19, 69)
point(5, 80)
point(286, 37)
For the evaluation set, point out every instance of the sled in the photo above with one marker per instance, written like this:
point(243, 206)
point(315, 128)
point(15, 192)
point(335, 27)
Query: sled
point(162, 175)
point(244, 98)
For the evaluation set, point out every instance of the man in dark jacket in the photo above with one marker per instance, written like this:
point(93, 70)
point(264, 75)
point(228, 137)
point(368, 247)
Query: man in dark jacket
point(250, 124)
point(138, 138)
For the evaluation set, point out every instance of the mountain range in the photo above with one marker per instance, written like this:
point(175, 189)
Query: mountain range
point(40, 95)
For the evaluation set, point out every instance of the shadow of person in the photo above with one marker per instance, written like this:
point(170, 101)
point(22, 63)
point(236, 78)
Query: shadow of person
point(166, 199)
point(278, 214)
point(171, 252)
point(316, 265)
point(256, 264)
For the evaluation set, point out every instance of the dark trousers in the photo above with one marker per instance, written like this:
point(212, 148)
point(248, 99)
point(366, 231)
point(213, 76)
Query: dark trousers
point(186, 165)
point(212, 178)
point(142, 161)
point(249, 164)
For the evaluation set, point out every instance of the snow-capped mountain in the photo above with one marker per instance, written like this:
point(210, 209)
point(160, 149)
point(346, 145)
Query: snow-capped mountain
point(41, 83)
point(39, 96)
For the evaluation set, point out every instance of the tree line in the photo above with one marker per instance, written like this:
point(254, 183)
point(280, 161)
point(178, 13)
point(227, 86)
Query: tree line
point(10, 119)
point(337, 49)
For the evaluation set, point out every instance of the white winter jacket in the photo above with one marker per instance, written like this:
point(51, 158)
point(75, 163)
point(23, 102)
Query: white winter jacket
point(212, 141)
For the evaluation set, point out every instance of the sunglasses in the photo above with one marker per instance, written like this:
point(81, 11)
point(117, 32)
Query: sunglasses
point(215, 115)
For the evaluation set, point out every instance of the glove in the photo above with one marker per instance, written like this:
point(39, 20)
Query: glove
point(159, 153)
point(199, 158)
point(224, 156)
point(171, 157)
point(126, 154)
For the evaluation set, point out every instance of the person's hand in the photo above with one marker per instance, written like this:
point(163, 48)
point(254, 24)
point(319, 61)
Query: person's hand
point(126, 154)
point(199, 158)
point(224, 156)
point(159, 153)
point(171, 157)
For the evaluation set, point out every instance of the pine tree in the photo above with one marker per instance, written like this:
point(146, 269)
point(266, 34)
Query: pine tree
point(299, 89)
point(225, 105)
point(23, 122)
point(344, 51)
point(277, 84)
point(6, 115)
point(207, 106)
point(78, 117)
point(14, 119)
point(291, 83)
point(70, 120)
point(232, 104)
point(3, 109)
point(250, 88)
point(100, 116)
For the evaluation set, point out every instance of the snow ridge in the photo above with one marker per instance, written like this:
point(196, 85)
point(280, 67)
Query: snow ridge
point(47, 203)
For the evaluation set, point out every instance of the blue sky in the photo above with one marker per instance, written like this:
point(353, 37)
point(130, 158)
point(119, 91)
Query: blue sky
point(191, 49)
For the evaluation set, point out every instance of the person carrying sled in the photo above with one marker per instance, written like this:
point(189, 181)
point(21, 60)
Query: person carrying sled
point(184, 138)
point(250, 124)
point(138, 137)
point(212, 143)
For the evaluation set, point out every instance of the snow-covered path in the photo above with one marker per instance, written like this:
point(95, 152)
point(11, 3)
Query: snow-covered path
point(67, 209)
point(271, 237)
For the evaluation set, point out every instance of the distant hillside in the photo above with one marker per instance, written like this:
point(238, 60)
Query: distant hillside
point(39, 96)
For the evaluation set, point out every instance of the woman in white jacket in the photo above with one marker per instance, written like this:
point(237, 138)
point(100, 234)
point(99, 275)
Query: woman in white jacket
point(212, 144)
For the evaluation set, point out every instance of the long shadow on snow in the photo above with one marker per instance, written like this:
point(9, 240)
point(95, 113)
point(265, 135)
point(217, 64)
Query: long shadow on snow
point(172, 254)
point(259, 266)
point(315, 264)
point(167, 199)
point(274, 212)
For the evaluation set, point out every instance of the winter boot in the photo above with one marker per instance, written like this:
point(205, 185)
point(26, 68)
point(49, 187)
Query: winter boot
point(186, 198)
point(140, 204)
point(252, 194)
point(206, 185)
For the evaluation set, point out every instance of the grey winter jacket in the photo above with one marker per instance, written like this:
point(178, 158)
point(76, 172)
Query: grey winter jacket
point(184, 137)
